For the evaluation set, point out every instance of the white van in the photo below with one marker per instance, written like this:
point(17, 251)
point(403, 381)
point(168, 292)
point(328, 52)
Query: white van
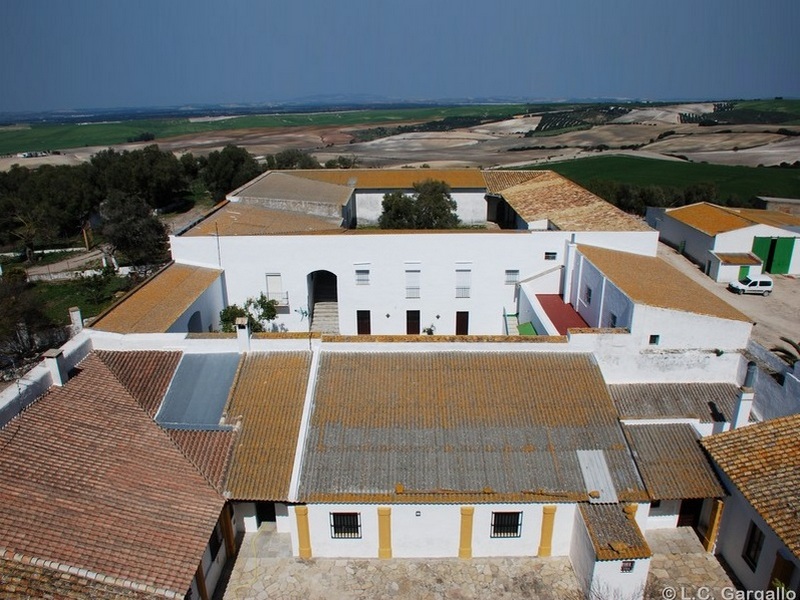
point(757, 284)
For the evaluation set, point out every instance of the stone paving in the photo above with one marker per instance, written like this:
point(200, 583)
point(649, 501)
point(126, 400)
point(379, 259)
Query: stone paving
point(265, 570)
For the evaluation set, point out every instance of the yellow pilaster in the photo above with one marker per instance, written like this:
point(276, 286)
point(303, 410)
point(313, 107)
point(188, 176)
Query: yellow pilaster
point(710, 536)
point(548, 522)
point(384, 532)
point(303, 533)
point(465, 544)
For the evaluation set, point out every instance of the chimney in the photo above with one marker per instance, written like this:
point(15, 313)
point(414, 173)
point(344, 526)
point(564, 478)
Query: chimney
point(76, 319)
point(745, 402)
point(243, 334)
point(57, 365)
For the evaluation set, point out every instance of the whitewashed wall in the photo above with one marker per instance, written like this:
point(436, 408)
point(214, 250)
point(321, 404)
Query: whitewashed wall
point(664, 516)
point(696, 243)
point(733, 529)
point(581, 553)
point(608, 580)
point(679, 330)
point(528, 543)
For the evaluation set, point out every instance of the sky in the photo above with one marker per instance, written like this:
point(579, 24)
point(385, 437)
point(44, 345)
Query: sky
point(70, 54)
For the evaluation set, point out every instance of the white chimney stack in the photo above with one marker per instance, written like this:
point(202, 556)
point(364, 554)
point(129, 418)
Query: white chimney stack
point(243, 334)
point(57, 365)
point(745, 402)
point(76, 319)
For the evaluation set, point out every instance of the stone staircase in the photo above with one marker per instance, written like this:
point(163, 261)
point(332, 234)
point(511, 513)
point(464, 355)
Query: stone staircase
point(325, 318)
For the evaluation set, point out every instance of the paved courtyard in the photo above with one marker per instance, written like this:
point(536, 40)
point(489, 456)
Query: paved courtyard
point(265, 570)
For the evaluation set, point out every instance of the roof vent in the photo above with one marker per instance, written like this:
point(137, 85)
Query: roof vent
point(243, 334)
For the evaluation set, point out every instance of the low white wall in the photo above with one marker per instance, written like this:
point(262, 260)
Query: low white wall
point(664, 516)
point(581, 553)
point(471, 205)
point(608, 580)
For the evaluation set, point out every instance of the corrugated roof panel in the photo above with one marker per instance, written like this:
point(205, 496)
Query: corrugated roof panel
point(199, 390)
point(597, 477)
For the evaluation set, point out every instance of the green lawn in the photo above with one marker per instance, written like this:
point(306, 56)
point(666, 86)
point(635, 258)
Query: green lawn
point(56, 137)
point(741, 182)
point(56, 298)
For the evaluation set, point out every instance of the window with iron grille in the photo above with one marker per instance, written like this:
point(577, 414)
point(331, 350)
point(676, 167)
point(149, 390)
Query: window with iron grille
point(412, 283)
point(627, 566)
point(346, 525)
point(550, 255)
point(463, 282)
point(512, 276)
point(506, 524)
point(362, 276)
point(587, 295)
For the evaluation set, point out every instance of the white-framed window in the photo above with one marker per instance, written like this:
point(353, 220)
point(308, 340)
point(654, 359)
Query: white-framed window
point(506, 524)
point(362, 276)
point(551, 255)
point(512, 276)
point(275, 289)
point(346, 525)
point(463, 283)
point(413, 277)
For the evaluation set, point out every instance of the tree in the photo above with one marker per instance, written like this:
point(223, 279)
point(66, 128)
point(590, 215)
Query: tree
point(295, 159)
point(224, 171)
point(22, 322)
point(258, 311)
point(132, 229)
point(431, 207)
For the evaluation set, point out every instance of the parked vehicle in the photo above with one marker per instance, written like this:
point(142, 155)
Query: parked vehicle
point(758, 284)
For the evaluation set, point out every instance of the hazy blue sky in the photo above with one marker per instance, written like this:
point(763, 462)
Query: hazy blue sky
point(112, 53)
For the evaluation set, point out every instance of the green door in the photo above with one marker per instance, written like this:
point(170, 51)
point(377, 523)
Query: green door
point(782, 257)
point(761, 248)
point(743, 272)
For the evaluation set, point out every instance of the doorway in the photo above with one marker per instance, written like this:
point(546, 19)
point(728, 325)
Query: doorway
point(462, 323)
point(412, 322)
point(363, 323)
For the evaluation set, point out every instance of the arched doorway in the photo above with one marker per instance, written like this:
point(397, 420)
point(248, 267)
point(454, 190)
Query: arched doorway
point(323, 300)
point(195, 322)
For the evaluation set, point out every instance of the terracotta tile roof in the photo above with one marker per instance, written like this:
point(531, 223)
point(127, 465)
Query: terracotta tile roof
point(390, 179)
point(652, 281)
point(737, 258)
point(22, 580)
point(712, 219)
point(243, 219)
point(671, 462)
point(497, 181)
point(210, 451)
point(567, 205)
point(145, 374)
point(89, 480)
point(449, 425)
point(154, 306)
point(287, 186)
point(708, 402)
point(267, 398)
point(614, 536)
point(763, 462)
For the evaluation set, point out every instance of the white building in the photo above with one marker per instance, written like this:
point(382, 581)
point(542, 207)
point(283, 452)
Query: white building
point(759, 535)
point(731, 243)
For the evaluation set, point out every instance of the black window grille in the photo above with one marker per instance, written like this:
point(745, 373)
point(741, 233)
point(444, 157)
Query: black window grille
point(506, 524)
point(346, 525)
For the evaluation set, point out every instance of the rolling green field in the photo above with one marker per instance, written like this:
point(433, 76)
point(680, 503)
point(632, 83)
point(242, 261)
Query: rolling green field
point(731, 181)
point(21, 138)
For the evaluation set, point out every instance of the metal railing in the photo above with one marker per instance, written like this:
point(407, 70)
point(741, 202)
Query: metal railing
point(282, 298)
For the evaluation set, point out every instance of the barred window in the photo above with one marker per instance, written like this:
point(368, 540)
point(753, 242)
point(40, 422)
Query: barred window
point(627, 566)
point(463, 279)
point(346, 525)
point(512, 276)
point(506, 524)
point(412, 283)
point(550, 255)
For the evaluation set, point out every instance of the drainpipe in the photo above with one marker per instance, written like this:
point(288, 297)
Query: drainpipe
point(745, 402)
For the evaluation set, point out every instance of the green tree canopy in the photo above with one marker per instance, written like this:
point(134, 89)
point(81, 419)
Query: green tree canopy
point(132, 229)
point(430, 207)
point(225, 170)
point(258, 311)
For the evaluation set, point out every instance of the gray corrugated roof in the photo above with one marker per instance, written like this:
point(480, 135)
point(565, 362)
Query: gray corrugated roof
point(709, 402)
point(614, 535)
point(671, 462)
point(285, 186)
point(597, 477)
point(445, 423)
point(199, 390)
